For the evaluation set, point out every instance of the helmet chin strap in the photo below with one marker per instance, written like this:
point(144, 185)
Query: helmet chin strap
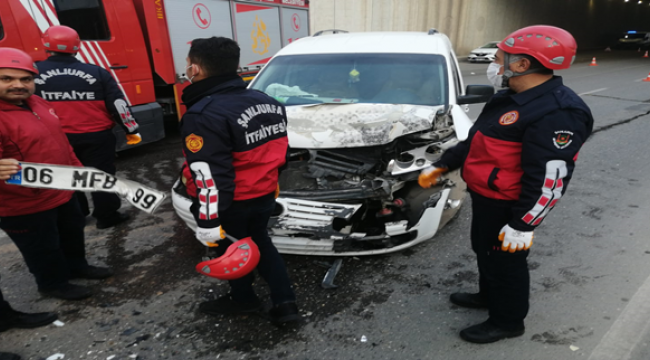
point(507, 73)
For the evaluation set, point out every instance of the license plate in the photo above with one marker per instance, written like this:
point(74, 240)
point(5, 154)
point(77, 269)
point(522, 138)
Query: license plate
point(15, 179)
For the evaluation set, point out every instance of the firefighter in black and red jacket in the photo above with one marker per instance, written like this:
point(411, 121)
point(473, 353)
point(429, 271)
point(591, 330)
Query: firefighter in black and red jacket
point(89, 103)
point(517, 162)
point(235, 141)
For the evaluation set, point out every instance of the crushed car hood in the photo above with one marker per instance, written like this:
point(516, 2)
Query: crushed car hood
point(326, 126)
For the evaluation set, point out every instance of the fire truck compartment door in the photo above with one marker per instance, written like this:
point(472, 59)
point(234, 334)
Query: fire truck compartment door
point(258, 33)
point(191, 19)
point(295, 25)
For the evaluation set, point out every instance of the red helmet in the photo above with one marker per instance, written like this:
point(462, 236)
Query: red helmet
point(555, 48)
point(240, 259)
point(61, 39)
point(17, 59)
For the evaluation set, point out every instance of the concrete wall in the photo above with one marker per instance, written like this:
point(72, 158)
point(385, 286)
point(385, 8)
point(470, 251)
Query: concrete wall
point(470, 23)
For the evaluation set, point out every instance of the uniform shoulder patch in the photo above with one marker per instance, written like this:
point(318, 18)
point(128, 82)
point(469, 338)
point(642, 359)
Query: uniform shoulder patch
point(562, 139)
point(193, 142)
point(509, 118)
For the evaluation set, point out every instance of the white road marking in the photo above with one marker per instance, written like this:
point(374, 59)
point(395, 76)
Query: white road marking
point(593, 91)
point(629, 329)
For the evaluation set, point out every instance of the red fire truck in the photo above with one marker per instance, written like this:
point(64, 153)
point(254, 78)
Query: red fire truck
point(144, 43)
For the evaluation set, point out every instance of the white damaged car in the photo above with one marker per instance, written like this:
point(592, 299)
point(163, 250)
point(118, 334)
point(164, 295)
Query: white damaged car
point(366, 113)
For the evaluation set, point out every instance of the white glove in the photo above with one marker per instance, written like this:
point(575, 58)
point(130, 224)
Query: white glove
point(515, 240)
point(210, 235)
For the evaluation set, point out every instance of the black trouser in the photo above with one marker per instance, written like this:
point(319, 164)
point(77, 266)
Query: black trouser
point(97, 149)
point(51, 241)
point(504, 281)
point(250, 218)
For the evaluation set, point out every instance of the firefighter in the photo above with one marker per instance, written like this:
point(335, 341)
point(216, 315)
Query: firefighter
point(517, 162)
point(89, 102)
point(235, 140)
point(47, 226)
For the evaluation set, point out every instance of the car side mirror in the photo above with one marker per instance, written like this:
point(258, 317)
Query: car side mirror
point(475, 94)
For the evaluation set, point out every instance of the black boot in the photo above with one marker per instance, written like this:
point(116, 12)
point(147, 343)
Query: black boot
point(487, 332)
point(8, 356)
point(284, 313)
point(68, 292)
point(92, 272)
point(115, 219)
point(21, 320)
point(225, 305)
point(467, 300)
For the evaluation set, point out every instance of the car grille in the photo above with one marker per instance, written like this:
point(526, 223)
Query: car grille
point(312, 215)
point(339, 162)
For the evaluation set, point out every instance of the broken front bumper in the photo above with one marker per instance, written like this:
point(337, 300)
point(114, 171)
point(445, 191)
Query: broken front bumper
point(289, 230)
point(307, 227)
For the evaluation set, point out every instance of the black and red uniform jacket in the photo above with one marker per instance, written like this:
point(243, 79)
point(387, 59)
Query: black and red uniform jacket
point(85, 96)
point(32, 133)
point(235, 140)
point(522, 149)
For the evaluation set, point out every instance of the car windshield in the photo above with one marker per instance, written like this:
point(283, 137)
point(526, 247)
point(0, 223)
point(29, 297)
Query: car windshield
point(490, 45)
point(355, 78)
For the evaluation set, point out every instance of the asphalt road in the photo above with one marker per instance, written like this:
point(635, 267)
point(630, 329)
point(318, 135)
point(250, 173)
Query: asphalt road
point(590, 268)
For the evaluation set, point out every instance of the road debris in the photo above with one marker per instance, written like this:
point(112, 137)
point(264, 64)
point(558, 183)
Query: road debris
point(328, 280)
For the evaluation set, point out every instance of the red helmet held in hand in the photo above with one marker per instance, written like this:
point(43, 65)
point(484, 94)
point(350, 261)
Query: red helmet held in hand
point(240, 259)
point(61, 39)
point(11, 58)
point(555, 48)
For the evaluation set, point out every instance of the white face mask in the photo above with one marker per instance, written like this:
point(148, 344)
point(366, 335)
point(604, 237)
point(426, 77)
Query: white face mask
point(187, 77)
point(492, 71)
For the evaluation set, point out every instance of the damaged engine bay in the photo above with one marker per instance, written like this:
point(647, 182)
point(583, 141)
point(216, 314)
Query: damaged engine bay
point(367, 198)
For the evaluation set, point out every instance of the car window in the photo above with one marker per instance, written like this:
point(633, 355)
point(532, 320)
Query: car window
point(491, 45)
point(87, 17)
point(416, 79)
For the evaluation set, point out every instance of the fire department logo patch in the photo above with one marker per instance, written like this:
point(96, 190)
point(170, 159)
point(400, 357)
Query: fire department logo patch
point(562, 139)
point(509, 118)
point(194, 143)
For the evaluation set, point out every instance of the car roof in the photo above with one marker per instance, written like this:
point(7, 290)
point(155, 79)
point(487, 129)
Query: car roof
point(370, 42)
